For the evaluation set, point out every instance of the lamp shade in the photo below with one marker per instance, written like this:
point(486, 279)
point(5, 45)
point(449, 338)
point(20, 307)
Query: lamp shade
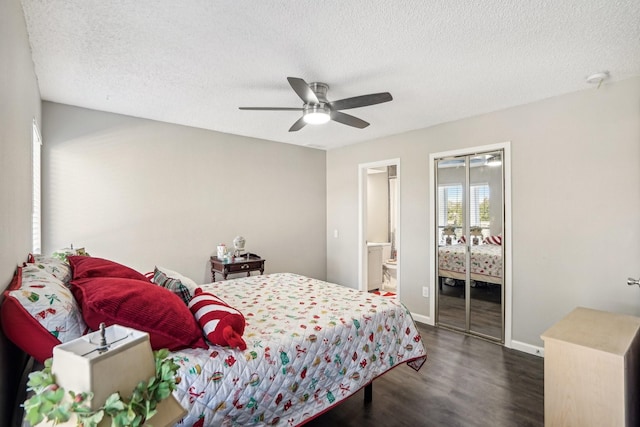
point(475, 231)
point(83, 365)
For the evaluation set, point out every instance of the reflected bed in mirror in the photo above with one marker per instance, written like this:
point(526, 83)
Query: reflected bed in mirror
point(486, 262)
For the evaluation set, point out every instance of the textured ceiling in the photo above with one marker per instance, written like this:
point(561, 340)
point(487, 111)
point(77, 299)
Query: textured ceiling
point(194, 63)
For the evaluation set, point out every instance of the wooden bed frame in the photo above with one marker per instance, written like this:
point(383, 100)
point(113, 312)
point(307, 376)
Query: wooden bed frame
point(443, 274)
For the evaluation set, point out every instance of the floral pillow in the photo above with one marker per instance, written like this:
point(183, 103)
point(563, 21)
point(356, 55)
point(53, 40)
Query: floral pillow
point(40, 312)
point(57, 268)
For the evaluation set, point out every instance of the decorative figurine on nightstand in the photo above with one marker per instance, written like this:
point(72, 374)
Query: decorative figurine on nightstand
point(448, 233)
point(238, 244)
point(476, 234)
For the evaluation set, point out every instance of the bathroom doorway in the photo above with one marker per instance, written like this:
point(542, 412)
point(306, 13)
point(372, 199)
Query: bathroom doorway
point(379, 235)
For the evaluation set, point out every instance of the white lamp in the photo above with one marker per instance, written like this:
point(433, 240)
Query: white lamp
point(87, 365)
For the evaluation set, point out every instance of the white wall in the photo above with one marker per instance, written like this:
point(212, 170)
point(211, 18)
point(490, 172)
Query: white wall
point(147, 193)
point(19, 105)
point(575, 199)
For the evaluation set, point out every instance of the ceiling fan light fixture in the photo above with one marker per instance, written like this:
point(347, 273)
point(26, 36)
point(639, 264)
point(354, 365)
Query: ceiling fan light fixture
point(316, 115)
point(316, 109)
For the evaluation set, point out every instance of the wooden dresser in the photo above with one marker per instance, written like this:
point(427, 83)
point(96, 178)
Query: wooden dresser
point(591, 370)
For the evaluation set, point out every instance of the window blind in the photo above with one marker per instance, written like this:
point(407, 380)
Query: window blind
point(479, 198)
point(36, 217)
point(450, 210)
point(450, 206)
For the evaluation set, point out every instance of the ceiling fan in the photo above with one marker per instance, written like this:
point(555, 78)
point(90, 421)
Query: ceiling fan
point(318, 110)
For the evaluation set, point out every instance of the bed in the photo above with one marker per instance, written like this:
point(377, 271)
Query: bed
point(310, 345)
point(486, 263)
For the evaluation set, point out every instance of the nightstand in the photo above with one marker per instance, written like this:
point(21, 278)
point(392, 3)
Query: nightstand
point(246, 263)
point(591, 370)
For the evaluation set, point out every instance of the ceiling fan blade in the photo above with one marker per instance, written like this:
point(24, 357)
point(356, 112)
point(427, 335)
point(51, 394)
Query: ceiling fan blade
point(361, 101)
point(298, 125)
point(348, 120)
point(303, 90)
point(270, 108)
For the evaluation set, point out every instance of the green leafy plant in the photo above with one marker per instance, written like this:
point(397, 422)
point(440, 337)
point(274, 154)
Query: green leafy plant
point(48, 400)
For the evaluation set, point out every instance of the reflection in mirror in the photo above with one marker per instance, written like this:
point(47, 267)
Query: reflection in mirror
point(470, 255)
point(451, 177)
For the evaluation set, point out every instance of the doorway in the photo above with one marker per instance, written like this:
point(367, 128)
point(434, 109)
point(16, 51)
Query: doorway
point(379, 227)
point(470, 227)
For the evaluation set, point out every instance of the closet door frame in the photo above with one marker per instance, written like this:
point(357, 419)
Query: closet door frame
point(506, 238)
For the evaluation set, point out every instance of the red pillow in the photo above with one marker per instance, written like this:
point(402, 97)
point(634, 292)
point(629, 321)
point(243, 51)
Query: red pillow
point(221, 323)
point(140, 305)
point(22, 329)
point(84, 266)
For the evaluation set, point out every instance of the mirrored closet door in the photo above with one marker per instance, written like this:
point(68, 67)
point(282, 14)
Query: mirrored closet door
point(469, 253)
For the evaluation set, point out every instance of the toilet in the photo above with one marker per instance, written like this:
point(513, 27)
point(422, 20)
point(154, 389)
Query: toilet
point(390, 275)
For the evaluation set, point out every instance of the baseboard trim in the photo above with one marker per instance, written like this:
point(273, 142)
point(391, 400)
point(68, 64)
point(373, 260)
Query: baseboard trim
point(515, 345)
point(527, 348)
point(422, 319)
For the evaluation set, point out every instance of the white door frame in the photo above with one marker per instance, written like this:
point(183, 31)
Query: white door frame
point(362, 221)
point(506, 238)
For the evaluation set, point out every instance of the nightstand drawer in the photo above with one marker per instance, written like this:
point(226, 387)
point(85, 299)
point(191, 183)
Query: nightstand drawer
point(239, 267)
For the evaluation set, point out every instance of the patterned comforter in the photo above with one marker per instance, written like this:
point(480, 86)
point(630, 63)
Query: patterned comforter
point(486, 262)
point(310, 345)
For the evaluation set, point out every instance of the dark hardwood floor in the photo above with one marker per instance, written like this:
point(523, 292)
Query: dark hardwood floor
point(486, 308)
point(466, 381)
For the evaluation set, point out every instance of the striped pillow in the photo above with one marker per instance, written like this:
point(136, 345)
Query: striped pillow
point(221, 324)
point(492, 240)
